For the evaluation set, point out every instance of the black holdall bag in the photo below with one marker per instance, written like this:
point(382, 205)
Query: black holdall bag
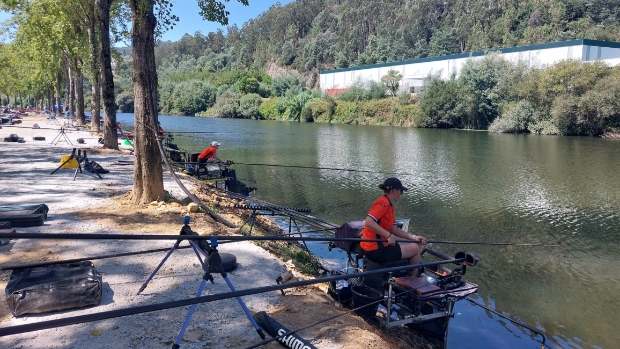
point(94, 167)
point(53, 288)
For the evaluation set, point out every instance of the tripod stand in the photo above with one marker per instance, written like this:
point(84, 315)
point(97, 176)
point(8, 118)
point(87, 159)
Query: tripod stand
point(80, 159)
point(60, 136)
point(213, 261)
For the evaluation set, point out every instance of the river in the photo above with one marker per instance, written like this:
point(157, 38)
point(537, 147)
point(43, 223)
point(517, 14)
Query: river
point(464, 186)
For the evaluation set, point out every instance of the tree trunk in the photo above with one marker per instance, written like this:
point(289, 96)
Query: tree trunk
point(147, 180)
point(110, 139)
point(95, 68)
point(58, 111)
point(71, 94)
point(78, 83)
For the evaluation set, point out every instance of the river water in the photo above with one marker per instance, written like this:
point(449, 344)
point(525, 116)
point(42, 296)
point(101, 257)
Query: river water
point(464, 186)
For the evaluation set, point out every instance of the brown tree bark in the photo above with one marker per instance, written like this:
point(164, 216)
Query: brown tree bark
point(95, 69)
point(148, 182)
point(78, 83)
point(110, 139)
point(58, 82)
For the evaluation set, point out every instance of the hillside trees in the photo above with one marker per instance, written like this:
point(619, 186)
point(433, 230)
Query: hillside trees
point(312, 35)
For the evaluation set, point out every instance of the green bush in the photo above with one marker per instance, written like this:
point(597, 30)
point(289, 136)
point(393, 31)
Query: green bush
point(227, 105)
point(515, 119)
point(484, 81)
point(306, 115)
point(345, 112)
point(269, 109)
point(353, 93)
point(570, 77)
point(191, 97)
point(322, 109)
point(248, 85)
point(544, 126)
point(407, 116)
point(564, 112)
point(264, 90)
point(404, 97)
point(441, 103)
point(600, 107)
point(376, 108)
point(375, 90)
point(283, 83)
point(249, 106)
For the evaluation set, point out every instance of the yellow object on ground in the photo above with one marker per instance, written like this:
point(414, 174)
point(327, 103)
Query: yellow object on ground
point(71, 164)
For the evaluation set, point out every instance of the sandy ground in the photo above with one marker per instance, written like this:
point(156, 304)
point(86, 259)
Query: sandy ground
point(91, 205)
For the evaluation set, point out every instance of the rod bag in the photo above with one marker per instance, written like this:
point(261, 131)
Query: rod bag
point(24, 215)
point(53, 288)
point(275, 329)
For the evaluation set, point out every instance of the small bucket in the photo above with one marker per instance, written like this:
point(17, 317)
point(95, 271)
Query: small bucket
point(362, 295)
point(71, 164)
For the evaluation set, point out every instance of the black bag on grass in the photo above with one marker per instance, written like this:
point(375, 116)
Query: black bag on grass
point(53, 288)
point(94, 167)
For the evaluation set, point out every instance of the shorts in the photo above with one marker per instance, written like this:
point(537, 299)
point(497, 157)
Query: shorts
point(386, 254)
point(202, 160)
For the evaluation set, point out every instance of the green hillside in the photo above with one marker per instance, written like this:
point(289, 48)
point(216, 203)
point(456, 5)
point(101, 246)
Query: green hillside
point(312, 35)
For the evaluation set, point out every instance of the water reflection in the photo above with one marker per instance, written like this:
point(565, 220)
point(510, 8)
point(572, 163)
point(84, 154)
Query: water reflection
point(466, 186)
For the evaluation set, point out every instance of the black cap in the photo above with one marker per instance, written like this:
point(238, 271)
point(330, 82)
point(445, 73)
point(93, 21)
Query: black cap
point(393, 183)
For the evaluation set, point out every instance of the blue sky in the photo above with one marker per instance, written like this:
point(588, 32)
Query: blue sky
point(190, 21)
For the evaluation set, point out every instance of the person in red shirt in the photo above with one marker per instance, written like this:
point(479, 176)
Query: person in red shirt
point(208, 155)
point(381, 224)
point(160, 130)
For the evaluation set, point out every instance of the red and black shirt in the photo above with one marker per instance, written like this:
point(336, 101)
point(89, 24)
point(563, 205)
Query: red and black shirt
point(382, 212)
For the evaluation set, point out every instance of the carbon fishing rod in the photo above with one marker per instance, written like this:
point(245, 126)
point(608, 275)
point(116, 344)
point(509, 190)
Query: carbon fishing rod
point(75, 236)
point(43, 325)
point(26, 266)
point(319, 168)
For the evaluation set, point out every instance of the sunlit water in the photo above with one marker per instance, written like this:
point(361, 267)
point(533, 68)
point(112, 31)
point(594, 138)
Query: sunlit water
point(464, 186)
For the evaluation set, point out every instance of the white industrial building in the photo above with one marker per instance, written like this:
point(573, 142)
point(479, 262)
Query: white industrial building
point(414, 71)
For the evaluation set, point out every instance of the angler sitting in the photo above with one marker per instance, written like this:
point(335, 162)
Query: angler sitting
point(381, 224)
point(208, 155)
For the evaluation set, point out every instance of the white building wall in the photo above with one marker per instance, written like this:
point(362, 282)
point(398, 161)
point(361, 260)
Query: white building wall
point(415, 73)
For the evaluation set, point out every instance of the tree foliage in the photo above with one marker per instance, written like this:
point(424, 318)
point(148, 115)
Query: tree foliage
point(391, 81)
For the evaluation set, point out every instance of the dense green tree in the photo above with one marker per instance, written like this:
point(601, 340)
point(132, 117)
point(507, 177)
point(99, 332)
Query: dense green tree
point(391, 81)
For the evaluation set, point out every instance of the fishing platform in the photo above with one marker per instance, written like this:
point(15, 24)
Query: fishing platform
point(220, 173)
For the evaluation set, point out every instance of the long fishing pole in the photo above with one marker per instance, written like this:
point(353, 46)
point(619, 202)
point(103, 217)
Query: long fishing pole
point(43, 325)
point(125, 254)
point(319, 168)
point(74, 236)
point(487, 243)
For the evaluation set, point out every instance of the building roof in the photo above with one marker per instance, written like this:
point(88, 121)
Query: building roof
point(578, 42)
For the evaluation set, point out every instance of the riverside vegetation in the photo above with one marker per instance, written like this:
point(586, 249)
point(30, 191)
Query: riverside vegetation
point(269, 67)
point(568, 98)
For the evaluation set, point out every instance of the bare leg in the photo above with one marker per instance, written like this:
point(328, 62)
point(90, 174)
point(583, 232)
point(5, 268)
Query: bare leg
point(411, 251)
